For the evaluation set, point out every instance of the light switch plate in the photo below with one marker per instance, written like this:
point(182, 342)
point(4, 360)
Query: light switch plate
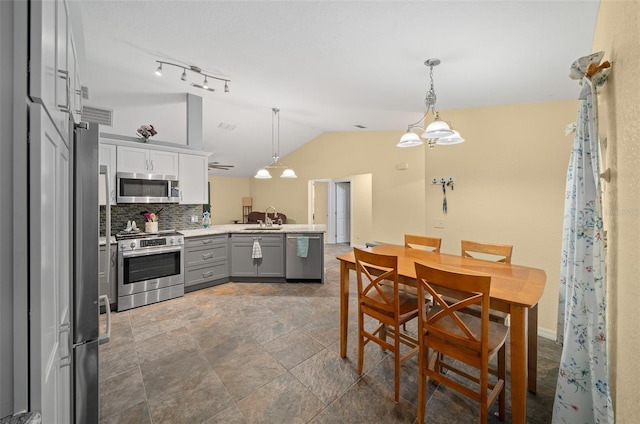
point(438, 223)
point(194, 218)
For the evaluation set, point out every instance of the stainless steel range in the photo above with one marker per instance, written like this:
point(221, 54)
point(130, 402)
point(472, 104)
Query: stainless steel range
point(150, 268)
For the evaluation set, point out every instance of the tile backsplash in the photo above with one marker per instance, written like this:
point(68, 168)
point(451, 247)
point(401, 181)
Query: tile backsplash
point(172, 216)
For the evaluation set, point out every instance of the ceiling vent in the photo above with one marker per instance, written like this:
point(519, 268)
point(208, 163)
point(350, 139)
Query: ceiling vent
point(98, 115)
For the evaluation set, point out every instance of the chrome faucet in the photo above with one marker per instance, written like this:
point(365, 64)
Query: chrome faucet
point(267, 221)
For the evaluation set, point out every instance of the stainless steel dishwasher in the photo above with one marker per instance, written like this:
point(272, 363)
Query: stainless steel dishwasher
point(305, 268)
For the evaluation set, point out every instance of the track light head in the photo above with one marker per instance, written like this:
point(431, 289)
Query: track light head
point(183, 77)
point(205, 84)
point(159, 70)
point(226, 86)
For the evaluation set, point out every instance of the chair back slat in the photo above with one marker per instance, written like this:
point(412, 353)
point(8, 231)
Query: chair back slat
point(416, 241)
point(503, 250)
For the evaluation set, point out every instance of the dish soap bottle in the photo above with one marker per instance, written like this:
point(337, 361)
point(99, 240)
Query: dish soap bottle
point(206, 221)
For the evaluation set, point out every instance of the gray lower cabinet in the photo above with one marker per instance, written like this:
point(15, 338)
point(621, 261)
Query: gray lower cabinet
point(270, 265)
point(108, 287)
point(206, 259)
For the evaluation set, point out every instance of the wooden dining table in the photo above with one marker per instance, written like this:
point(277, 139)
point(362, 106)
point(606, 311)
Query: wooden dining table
point(515, 289)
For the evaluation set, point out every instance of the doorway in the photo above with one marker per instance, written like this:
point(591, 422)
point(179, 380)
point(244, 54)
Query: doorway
point(330, 205)
point(343, 211)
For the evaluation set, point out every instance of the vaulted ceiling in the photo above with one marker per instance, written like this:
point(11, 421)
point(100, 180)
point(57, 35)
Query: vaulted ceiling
point(328, 65)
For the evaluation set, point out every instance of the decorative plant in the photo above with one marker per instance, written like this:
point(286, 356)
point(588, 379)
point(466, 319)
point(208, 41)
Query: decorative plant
point(146, 131)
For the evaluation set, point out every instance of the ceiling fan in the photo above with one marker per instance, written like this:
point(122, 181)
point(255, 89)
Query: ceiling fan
point(218, 165)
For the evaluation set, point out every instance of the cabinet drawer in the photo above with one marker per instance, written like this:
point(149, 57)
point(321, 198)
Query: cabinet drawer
point(205, 241)
point(204, 254)
point(262, 238)
point(197, 275)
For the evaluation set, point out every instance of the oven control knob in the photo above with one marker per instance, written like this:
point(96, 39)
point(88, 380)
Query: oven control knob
point(179, 241)
point(172, 241)
point(133, 244)
point(122, 245)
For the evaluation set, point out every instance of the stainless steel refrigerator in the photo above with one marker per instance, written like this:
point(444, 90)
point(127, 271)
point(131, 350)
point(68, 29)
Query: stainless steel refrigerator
point(85, 325)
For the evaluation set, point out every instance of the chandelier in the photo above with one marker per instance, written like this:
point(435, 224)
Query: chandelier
point(438, 131)
point(276, 164)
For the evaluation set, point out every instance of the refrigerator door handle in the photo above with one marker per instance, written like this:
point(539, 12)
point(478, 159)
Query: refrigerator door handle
point(107, 336)
point(104, 170)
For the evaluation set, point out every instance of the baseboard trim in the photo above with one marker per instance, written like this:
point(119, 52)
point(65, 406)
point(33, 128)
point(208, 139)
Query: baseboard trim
point(547, 334)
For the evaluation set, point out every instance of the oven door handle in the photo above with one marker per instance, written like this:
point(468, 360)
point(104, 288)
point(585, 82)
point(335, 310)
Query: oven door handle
point(148, 252)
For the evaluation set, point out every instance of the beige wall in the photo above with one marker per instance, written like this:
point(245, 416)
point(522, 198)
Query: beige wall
point(320, 203)
point(226, 198)
point(509, 185)
point(397, 195)
point(618, 36)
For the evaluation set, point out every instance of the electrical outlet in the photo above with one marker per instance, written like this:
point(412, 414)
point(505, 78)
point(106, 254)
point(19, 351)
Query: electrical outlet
point(194, 218)
point(438, 223)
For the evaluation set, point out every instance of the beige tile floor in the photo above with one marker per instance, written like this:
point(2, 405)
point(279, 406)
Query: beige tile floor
point(268, 353)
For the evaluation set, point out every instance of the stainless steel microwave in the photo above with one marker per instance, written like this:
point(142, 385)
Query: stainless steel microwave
point(146, 188)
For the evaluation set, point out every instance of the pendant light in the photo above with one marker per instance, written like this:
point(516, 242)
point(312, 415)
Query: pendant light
point(438, 131)
point(276, 164)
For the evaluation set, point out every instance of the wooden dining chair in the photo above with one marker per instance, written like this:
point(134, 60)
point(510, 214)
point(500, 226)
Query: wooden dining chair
point(422, 242)
point(499, 253)
point(445, 335)
point(385, 303)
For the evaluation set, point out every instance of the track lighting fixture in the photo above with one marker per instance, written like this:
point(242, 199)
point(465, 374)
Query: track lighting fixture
point(196, 70)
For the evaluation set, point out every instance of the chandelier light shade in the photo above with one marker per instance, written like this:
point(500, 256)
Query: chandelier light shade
point(263, 174)
point(455, 138)
point(435, 131)
point(195, 70)
point(276, 164)
point(409, 139)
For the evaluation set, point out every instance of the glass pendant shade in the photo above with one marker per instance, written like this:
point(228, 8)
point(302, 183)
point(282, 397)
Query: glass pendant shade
point(263, 174)
point(437, 129)
point(409, 139)
point(455, 138)
point(288, 173)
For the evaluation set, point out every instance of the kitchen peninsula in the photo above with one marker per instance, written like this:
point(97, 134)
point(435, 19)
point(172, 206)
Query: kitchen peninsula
point(250, 253)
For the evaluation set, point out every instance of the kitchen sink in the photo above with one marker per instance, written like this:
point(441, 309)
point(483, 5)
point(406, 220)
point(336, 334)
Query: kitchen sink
point(264, 228)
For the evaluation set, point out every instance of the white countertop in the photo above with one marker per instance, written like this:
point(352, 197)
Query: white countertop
point(102, 240)
point(254, 228)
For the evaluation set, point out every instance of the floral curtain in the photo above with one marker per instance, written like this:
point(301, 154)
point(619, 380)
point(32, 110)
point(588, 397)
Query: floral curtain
point(583, 391)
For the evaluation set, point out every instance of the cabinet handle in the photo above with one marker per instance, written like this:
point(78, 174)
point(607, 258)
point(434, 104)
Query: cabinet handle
point(181, 197)
point(207, 241)
point(152, 165)
point(65, 76)
point(207, 255)
point(113, 258)
point(146, 164)
point(79, 94)
point(207, 274)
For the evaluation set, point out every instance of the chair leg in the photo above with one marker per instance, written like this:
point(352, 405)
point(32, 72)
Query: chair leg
point(383, 335)
point(502, 375)
point(360, 342)
point(396, 360)
point(422, 384)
